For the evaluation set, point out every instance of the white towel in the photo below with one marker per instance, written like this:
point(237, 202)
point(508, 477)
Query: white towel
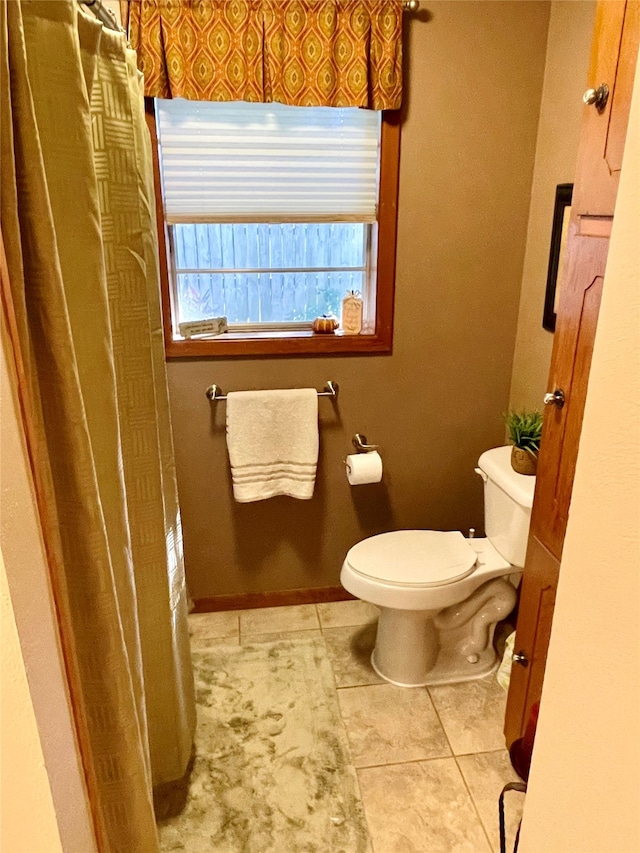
point(272, 437)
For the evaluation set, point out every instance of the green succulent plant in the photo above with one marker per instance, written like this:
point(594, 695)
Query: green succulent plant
point(525, 429)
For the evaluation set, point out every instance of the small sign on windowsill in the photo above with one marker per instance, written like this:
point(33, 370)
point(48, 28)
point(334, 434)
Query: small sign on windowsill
point(351, 320)
point(211, 327)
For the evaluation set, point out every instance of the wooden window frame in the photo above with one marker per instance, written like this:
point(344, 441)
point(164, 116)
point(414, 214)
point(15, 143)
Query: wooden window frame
point(277, 343)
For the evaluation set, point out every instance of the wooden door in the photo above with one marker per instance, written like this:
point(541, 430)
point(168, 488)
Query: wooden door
point(537, 601)
point(570, 364)
point(615, 49)
point(613, 62)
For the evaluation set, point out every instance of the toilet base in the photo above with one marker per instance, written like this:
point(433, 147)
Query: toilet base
point(406, 647)
point(443, 675)
point(422, 648)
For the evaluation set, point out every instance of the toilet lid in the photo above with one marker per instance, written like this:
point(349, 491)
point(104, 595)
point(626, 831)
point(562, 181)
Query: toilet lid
point(414, 557)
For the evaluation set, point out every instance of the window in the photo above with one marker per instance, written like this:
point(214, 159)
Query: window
point(272, 214)
point(260, 275)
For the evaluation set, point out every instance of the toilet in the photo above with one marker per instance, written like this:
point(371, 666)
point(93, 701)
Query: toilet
point(440, 594)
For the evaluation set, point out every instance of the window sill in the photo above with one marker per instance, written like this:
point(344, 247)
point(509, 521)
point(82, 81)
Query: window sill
point(278, 343)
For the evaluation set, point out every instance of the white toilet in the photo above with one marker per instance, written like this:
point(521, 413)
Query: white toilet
point(440, 594)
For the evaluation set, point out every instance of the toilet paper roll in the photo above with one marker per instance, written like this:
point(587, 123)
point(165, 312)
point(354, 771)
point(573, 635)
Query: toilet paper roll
point(364, 468)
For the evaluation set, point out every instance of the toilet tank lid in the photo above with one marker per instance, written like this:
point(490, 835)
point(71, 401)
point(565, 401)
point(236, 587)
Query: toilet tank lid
point(496, 464)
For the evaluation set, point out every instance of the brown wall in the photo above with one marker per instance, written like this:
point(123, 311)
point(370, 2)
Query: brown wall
point(474, 78)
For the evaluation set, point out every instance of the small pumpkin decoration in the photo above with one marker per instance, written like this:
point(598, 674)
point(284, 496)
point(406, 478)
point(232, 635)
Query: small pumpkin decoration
point(325, 325)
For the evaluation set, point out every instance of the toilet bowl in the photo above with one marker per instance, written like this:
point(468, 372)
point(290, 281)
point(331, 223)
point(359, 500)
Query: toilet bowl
point(440, 595)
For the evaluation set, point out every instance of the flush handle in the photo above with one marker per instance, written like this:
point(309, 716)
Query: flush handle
point(520, 658)
point(555, 398)
point(597, 97)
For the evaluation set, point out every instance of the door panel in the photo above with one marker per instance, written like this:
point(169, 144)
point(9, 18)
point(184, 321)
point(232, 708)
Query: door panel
point(625, 73)
point(538, 596)
point(571, 360)
point(570, 364)
point(613, 60)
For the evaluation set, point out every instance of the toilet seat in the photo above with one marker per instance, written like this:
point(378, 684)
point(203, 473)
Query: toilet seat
point(413, 558)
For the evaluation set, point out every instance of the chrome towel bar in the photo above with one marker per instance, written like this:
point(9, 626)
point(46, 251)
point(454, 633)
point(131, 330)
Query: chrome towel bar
point(214, 392)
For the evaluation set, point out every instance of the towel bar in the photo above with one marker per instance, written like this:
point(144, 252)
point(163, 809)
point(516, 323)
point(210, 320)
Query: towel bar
point(215, 394)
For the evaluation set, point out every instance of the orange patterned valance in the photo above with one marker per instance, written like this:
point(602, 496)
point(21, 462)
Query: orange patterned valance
point(334, 53)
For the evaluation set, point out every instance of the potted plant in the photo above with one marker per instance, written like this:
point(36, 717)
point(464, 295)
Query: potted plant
point(525, 429)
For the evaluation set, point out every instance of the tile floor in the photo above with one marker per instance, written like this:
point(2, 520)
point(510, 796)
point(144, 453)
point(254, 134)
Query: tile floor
point(430, 761)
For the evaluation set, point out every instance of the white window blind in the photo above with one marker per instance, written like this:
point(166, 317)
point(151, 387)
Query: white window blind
point(226, 162)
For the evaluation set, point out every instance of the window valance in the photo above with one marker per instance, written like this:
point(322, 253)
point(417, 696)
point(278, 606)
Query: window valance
point(332, 53)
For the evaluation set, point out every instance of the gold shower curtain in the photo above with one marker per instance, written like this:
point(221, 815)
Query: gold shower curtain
point(77, 219)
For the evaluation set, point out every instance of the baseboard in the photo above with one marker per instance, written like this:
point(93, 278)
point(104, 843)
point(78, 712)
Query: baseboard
point(276, 598)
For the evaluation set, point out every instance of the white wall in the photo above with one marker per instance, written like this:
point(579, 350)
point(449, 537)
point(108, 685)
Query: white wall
point(27, 817)
point(584, 790)
point(27, 603)
point(568, 46)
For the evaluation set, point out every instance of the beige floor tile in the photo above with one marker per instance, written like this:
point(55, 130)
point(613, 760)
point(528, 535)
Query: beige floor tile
point(422, 807)
point(199, 644)
point(271, 620)
point(486, 774)
point(349, 651)
point(248, 639)
point(388, 725)
point(341, 614)
point(472, 714)
point(213, 625)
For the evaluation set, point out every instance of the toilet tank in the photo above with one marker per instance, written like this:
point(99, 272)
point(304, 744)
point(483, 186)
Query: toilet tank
point(508, 498)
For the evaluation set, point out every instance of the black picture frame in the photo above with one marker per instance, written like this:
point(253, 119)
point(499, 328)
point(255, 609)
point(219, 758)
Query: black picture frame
point(564, 193)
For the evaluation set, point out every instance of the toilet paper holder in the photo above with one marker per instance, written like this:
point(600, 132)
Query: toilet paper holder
point(359, 441)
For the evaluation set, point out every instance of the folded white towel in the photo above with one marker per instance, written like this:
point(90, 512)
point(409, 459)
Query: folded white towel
point(272, 437)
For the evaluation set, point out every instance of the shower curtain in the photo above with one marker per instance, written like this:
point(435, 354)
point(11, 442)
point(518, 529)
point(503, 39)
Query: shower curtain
point(78, 228)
